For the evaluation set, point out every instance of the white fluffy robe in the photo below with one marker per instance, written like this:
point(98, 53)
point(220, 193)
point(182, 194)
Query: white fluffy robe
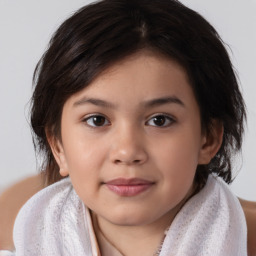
point(210, 223)
point(54, 222)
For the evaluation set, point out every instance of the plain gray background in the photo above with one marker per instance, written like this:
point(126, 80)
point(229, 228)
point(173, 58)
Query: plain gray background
point(25, 29)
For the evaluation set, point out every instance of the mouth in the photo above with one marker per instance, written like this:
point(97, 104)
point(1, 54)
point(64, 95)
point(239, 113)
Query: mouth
point(129, 187)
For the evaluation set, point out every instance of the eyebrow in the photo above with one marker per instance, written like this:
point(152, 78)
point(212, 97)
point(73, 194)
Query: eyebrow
point(146, 104)
point(93, 101)
point(163, 101)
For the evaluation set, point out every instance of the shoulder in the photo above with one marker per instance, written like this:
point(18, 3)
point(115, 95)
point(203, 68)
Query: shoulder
point(249, 209)
point(11, 200)
point(51, 196)
point(47, 218)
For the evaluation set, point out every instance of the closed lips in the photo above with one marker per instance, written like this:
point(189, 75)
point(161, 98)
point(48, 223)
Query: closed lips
point(129, 187)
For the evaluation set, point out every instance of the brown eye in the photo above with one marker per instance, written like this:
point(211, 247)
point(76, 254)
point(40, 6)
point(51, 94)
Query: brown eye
point(160, 121)
point(96, 121)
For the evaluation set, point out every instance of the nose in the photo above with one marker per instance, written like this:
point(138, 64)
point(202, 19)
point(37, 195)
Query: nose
point(128, 147)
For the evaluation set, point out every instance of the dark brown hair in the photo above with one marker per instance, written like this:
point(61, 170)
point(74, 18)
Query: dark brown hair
point(104, 32)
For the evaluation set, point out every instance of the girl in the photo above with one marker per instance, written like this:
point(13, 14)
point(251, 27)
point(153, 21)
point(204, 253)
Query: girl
point(137, 111)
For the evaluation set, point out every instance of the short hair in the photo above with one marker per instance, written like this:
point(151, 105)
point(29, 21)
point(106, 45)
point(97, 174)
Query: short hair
point(102, 33)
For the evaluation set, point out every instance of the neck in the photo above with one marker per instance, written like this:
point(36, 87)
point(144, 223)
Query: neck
point(145, 239)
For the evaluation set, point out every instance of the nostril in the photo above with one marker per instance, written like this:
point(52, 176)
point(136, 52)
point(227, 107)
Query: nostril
point(117, 161)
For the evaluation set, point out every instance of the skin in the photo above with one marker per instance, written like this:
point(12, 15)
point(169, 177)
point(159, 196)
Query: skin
point(107, 134)
point(13, 198)
point(250, 215)
point(130, 150)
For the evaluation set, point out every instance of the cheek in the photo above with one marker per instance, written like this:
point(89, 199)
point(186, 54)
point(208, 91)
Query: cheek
point(82, 150)
point(178, 153)
point(84, 171)
point(85, 157)
point(177, 158)
point(178, 168)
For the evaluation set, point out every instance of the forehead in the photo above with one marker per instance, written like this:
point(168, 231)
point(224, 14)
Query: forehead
point(140, 77)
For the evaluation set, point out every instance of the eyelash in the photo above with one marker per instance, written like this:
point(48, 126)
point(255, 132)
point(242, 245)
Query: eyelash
point(105, 122)
point(87, 119)
point(165, 117)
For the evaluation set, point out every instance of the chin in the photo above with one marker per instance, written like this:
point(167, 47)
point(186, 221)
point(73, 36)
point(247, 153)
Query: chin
point(129, 218)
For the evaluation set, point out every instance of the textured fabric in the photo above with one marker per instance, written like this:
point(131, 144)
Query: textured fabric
point(6, 253)
point(52, 223)
point(55, 222)
point(210, 223)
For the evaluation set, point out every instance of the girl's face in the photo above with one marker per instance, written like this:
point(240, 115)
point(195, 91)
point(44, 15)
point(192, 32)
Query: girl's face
point(132, 140)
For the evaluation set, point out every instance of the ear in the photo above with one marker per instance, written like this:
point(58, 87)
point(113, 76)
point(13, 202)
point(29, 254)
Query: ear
point(58, 153)
point(211, 142)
